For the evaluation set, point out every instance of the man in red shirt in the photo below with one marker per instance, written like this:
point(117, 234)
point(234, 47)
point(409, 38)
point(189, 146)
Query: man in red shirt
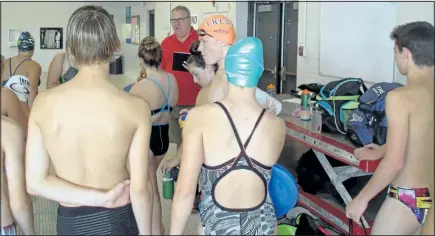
point(180, 41)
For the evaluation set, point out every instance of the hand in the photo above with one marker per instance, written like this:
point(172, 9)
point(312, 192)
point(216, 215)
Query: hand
point(169, 163)
point(270, 106)
point(186, 66)
point(118, 196)
point(356, 209)
point(369, 152)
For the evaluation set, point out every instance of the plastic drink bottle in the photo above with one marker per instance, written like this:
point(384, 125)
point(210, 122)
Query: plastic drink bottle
point(168, 185)
point(305, 113)
point(261, 96)
point(182, 119)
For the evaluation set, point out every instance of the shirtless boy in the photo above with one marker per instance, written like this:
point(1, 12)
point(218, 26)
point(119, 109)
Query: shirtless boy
point(91, 130)
point(407, 167)
point(16, 206)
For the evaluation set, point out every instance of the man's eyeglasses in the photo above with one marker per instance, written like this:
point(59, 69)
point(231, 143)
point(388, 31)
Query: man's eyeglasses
point(179, 20)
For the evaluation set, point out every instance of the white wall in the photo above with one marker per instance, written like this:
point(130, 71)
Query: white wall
point(307, 67)
point(30, 16)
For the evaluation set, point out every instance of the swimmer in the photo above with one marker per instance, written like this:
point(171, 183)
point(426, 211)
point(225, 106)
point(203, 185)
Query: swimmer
point(16, 206)
point(408, 164)
point(11, 107)
point(217, 34)
point(61, 70)
point(91, 130)
point(160, 90)
point(233, 154)
point(21, 74)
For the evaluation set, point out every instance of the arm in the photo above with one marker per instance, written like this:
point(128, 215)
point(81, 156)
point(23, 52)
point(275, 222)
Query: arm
point(163, 63)
point(397, 138)
point(193, 157)
point(140, 184)
point(34, 77)
point(40, 183)
point(55, 71)
point(20, 203)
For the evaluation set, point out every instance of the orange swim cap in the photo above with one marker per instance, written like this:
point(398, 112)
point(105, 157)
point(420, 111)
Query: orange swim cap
point(218, 27)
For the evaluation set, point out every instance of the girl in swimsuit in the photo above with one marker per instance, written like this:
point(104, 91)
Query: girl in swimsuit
point(61, 70)
point(232, 155)
point(21, 74)
point(161, 91)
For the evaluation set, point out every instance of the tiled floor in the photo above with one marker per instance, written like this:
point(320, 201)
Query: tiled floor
point(45, 210)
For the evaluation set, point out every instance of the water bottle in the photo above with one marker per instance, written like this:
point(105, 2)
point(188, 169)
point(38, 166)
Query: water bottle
point(168, 185)
point(182, 119)
point(305, 113)
point(261, 97)
point(271, 90)
point(316, 119)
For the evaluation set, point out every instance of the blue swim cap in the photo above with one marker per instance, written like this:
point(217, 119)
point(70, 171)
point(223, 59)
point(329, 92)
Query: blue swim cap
point(26, 42)
point(244, 62)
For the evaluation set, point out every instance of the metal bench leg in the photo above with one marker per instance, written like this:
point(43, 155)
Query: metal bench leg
point(335, 180)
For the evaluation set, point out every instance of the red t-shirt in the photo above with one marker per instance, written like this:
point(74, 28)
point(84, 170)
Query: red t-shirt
point(188, 90)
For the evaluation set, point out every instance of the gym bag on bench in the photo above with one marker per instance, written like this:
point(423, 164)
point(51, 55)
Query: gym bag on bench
point(335, 99)
point(368, 123)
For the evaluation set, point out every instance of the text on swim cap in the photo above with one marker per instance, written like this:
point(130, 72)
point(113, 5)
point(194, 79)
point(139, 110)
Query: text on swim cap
point(221, 21)
point(219, 31)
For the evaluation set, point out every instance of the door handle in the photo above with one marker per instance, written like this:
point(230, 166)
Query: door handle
point(273, 72)
point(282, 73)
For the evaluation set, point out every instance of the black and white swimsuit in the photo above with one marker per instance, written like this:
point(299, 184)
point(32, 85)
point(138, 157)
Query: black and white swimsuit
point(219, 220)
point(19, 84)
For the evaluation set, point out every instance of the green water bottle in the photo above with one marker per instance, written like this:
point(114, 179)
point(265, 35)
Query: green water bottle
point(168, 185)
point(305, 113)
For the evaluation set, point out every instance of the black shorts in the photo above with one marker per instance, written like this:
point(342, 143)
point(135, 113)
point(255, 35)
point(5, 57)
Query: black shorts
point(96, 221)
point(159, 143)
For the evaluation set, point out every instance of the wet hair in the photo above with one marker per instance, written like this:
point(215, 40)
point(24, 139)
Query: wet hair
point(91, 36)
point(418, 38)
point(182, 8)
point(196, 58)
point(150, 52)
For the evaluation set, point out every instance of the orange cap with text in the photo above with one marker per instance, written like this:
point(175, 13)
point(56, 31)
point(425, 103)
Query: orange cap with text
point(219, 27)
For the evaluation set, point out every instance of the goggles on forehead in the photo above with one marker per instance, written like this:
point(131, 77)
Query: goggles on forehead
point(202, 33)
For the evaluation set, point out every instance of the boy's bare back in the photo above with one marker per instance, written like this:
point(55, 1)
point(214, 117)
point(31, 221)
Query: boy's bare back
point(87, 128)
point(417, 101)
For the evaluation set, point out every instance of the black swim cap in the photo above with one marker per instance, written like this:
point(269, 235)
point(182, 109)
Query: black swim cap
point(26, 42)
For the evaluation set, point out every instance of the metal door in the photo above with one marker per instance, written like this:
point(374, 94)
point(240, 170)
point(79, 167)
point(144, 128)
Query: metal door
point(289, 47)
point(267, 28)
